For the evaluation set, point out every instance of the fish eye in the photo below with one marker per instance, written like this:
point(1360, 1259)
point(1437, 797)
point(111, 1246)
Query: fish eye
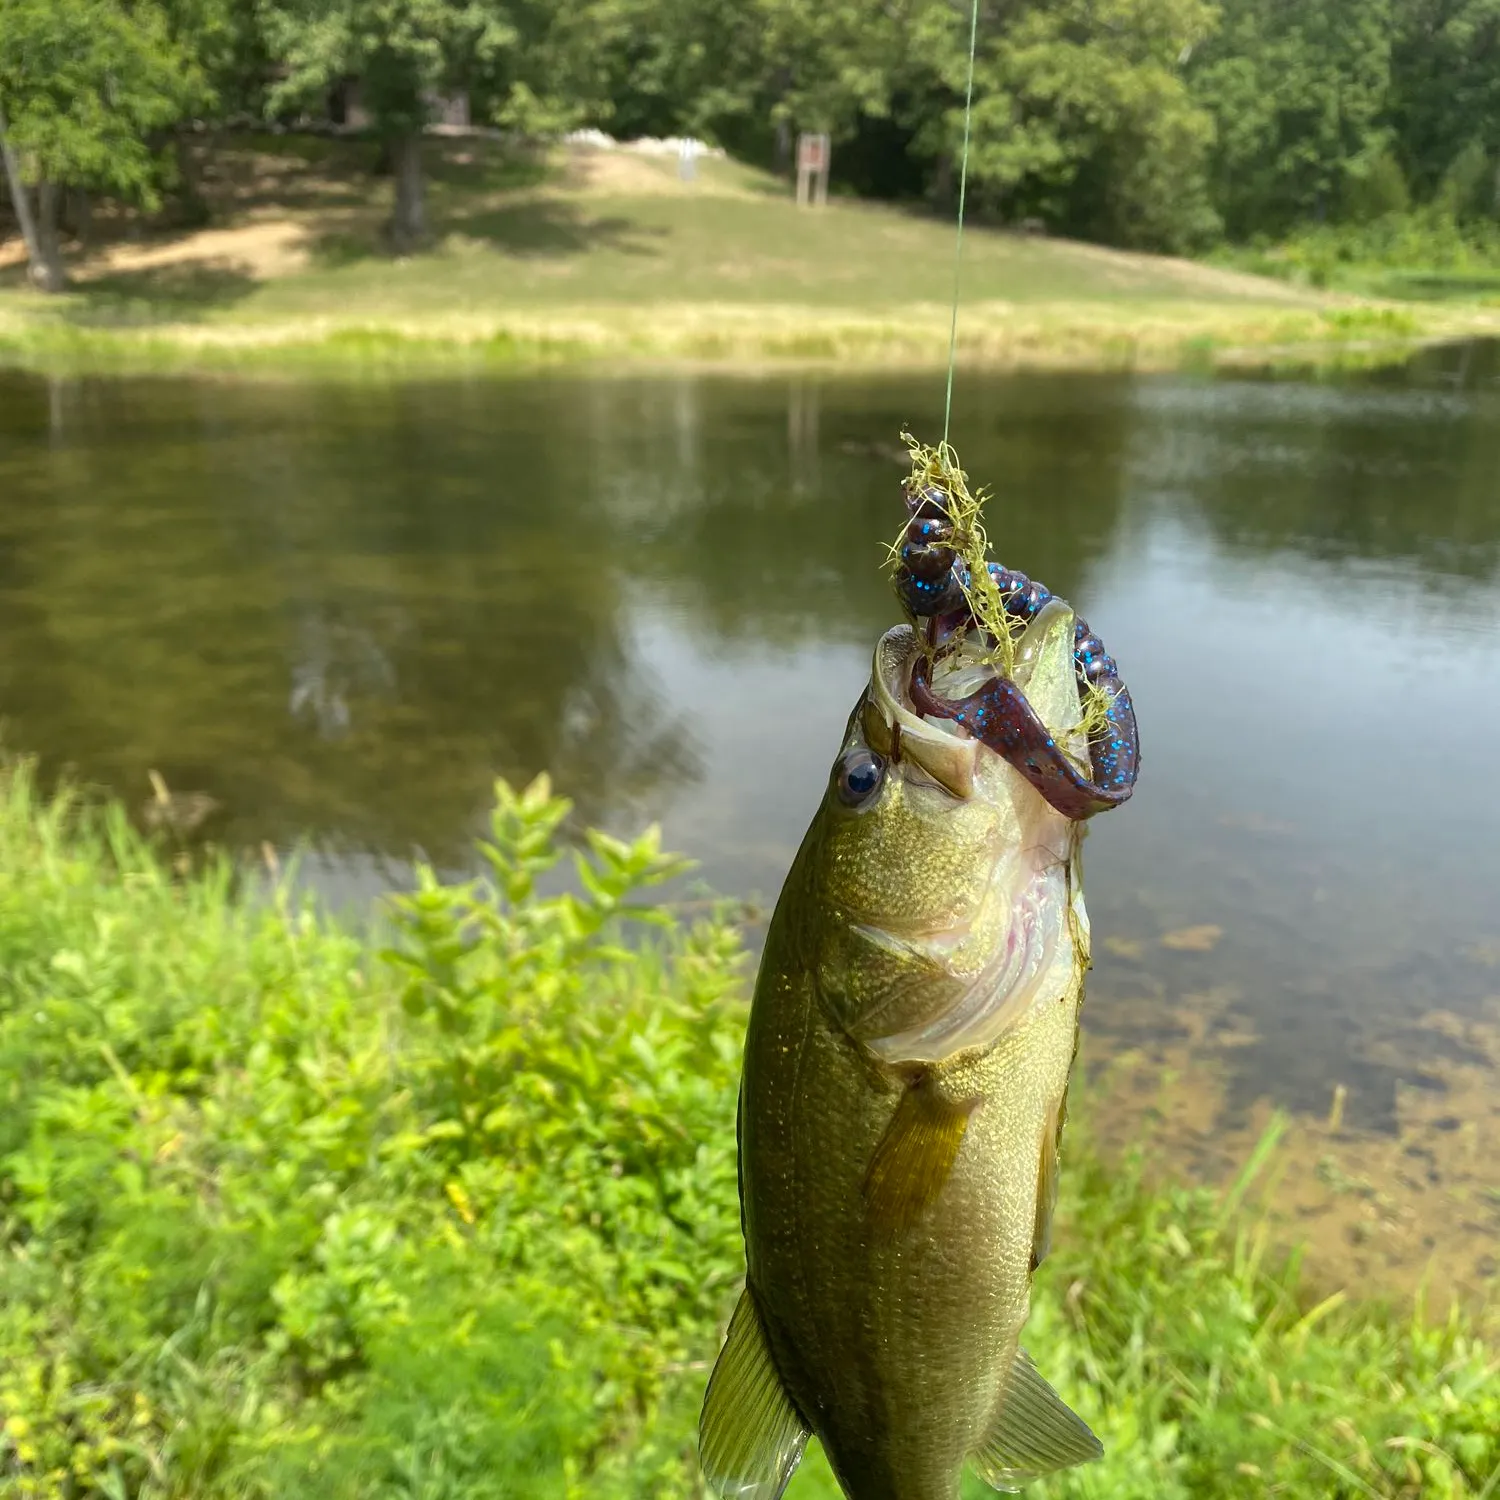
point(857, 777)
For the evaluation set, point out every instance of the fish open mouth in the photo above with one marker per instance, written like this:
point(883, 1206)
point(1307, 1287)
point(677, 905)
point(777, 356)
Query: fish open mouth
point(962, 661)
point(1072, 738)
point(1014, 944)
point(949, 588)
point(943, 711)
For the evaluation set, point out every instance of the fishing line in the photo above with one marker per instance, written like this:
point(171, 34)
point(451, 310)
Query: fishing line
point(958, 252)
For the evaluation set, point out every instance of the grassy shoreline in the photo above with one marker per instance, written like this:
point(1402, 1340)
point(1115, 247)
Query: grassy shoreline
point(288, 1209)
point(726, 337)
point(606, 261)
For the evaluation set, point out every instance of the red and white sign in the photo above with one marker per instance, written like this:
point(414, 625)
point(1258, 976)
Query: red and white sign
point(812, 153)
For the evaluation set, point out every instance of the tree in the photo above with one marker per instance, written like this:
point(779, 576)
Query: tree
point(684, 66)
point(1445, 87)
point(830, 62)
point(400, 51)
point(83, 85)
point(525, 60)
point(225, 39)
point(1298, 94)
point(1081, 114)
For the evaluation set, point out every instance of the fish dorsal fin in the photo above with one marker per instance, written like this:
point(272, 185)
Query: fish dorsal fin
point(750, 1438)
point(1046, 1182)
point(1035, 1433)
point(915, 1156)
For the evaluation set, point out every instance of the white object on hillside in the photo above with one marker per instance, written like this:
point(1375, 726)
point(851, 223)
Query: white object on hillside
point(672, 145)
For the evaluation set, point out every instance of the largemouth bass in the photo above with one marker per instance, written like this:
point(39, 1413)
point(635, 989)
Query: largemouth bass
point(906, 1069)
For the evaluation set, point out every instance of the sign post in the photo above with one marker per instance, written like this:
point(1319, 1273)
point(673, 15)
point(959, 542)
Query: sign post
point(813, 155)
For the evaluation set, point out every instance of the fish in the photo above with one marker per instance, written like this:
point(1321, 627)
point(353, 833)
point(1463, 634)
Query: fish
point(912, 1034)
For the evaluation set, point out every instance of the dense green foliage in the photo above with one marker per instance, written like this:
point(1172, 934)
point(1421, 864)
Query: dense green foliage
point(1297, 95)
point(1158, 123)
point(83, 83)
point(283, 1214)
point(1421, 255)
point(442, 1221)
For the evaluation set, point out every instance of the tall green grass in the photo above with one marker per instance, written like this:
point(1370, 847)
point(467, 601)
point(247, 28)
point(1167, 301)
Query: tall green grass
point(287, 1212)
point(1418, 256)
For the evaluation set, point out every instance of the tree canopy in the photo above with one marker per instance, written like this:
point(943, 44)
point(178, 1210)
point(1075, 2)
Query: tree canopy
point(83, 85)
point(1154, 123)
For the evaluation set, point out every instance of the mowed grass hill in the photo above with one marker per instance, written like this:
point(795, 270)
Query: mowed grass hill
point(606, 255)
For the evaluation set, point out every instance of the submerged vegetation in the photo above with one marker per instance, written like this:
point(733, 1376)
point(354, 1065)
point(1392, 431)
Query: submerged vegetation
point(450, 1211)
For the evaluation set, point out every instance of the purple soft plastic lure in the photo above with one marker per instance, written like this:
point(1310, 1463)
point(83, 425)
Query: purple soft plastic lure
point(931, 584)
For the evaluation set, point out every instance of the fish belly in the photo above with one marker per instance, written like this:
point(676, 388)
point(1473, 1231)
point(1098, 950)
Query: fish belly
point(895, 1350)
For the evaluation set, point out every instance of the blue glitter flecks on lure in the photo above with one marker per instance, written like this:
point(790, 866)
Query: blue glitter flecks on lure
point(931, 582)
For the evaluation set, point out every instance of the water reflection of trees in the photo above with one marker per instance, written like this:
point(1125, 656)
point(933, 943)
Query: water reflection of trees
point(777, 536)
point(343, 612)
point(1400, 470)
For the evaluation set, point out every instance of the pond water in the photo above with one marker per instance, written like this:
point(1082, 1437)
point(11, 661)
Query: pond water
point(342, 610)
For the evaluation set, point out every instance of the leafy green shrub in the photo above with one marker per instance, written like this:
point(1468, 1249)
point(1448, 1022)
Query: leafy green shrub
point(1374, 256)
point(1371, 322)
point(272, 1205)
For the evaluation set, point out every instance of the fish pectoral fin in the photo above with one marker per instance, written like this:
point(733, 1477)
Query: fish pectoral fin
point(1035, 1433)
point(750, 1437)
point(915, 1157)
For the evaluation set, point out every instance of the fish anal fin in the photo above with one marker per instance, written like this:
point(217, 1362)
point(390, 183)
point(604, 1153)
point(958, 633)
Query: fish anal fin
point(1046, 1182)
point(1034, 1433)
point(915, 1157)
point(750, 1436)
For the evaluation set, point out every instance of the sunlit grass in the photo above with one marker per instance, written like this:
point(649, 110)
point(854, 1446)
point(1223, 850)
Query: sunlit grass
point(1142, 336)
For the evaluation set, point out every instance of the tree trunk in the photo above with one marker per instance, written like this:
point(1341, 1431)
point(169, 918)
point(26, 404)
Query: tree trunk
point(79, 210)
point(193, 206)
point(943, 195)
point(783, 162)
point(408, 226)
point(48, 275)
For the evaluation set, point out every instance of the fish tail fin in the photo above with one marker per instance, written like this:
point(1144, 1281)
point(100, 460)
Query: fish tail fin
point(1035, 1433)
point(750, 1436)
